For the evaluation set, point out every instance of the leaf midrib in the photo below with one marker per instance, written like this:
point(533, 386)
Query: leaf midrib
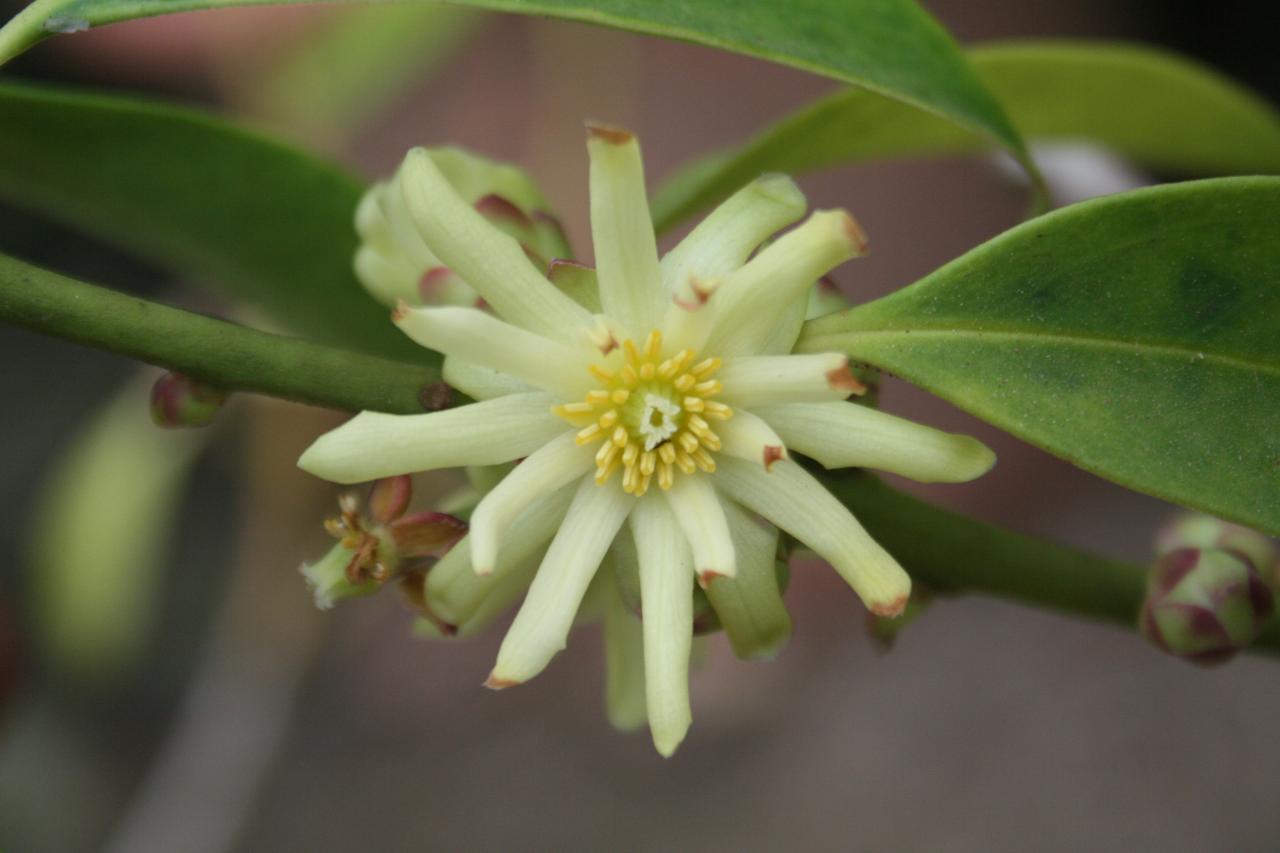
point(1090, 341)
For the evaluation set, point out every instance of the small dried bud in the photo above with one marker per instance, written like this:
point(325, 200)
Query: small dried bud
point(381, 544)
point(180, 401)
point(1192, 530)
point(1204, 604)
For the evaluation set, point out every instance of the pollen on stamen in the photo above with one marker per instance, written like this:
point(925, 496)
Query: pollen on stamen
point(650, 415)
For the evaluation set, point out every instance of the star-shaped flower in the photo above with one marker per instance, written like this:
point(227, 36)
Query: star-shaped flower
point(658, 412)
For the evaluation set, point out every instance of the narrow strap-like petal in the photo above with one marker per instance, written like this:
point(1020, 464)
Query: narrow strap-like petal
point(456, 593)
point(846, 435)
point(499, 598)
point(622, 232)
point(726, 238)
point(749, 605)
point(764, 379)
point(666, 595)
point(542, 626)
point(750, 301)
point(697, 510)
point(409, 243)
point(373, 445)
point(388, 278)
point(792, 499)
point(748, 436)
point(479, 382)
point(492, 262)
point(473, 335)
point(624, 688)
point(556, 464)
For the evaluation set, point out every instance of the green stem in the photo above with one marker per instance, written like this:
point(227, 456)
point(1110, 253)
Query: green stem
point(955, 554)
point(945, 550)
point(27, 27)
point(223, 354)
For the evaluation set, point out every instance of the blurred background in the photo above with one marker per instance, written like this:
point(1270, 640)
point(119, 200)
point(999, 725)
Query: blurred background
point(193, 699)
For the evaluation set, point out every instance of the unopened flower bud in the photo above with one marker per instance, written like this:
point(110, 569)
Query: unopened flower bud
point(1193, 530)
point(1204, 604)
point(394, 265)
point(180, 401)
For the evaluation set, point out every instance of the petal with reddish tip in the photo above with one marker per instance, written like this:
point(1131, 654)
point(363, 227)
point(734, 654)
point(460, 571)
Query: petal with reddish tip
point(666, 594)
point(542, 626)
point(622, 231)
point(726, 238)
point(697, 510)
point(752, 299)
point(749, 606)
point(761, 380)
point(793, 500)
point(847, 435)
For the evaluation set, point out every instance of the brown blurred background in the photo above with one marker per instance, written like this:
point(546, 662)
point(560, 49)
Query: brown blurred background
point(251, 722)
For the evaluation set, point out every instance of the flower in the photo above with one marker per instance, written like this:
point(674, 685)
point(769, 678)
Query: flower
point(383, 544)
point(665, 400)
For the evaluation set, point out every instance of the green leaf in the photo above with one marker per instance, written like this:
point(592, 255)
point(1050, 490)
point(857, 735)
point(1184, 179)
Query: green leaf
point(1137, 336)
point(103, 521)
point(888, 46)
point(1162, 110)
point(327, 84)
point(271, 225)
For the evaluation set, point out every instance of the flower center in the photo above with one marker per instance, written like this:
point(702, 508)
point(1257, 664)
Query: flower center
point(651, 415)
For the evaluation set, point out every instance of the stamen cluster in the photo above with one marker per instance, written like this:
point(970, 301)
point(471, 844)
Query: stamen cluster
point(651, 416)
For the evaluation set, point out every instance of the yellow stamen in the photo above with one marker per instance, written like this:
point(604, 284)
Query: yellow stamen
point(651, 414)
point(706, 367)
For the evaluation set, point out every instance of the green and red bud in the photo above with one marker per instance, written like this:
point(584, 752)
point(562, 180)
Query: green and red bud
point(1204, 604)
point(1193, 530)
point(394, 265)
point(180, 401)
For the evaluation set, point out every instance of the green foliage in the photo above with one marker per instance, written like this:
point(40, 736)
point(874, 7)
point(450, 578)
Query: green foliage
point(1161, 110)
point(102, 526)
point(888, 46)
point(335, 78)
point(1137, 336)
point(268, 224)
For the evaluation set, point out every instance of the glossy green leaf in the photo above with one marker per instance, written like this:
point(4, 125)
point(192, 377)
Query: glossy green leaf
point(1137, 336)
point(1162, 110)
point(267, 223)
point(888, 46)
